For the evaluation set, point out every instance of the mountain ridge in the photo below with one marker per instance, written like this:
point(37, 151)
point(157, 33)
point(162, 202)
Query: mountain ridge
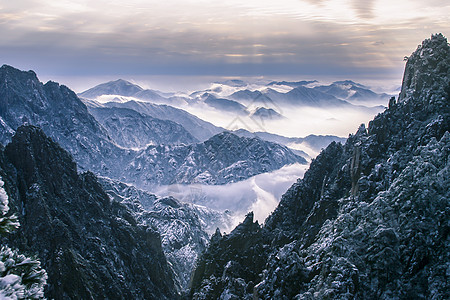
point(90, 247)
point(67, 120)
point(368, 218)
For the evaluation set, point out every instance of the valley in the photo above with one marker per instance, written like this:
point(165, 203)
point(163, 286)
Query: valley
point(236, 191)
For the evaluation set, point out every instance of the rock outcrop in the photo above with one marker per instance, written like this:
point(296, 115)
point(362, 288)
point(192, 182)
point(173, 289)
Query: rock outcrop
point(90, 246)
point(369, 220)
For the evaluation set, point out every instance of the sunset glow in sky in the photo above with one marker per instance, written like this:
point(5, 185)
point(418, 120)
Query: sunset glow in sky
point(341, 38)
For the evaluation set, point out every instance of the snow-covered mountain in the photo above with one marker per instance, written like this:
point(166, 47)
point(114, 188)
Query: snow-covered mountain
point(303, 96)
point(185, 228)
point(90, 246)
point(58, 111)
point(224, 158)
point(131, 129)
point(62, 116)
point(248, 97)
point(298, 93)
point(369, 219)
point(198, 128)
point(311, 143)
point(118, 87)
point(350, 90)
point(334, 108)
point(236, 95)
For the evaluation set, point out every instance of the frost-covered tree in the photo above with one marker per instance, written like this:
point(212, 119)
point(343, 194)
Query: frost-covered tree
point(21, 277)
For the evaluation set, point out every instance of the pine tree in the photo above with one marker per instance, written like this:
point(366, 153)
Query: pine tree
point(21, 277)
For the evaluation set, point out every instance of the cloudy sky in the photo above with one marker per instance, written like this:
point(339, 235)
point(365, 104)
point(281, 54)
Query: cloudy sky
point(286, 38)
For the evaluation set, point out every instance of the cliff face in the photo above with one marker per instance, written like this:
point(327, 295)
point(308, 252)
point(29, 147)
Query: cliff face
point(370, 217)
point(91, 247)
point(427, 69)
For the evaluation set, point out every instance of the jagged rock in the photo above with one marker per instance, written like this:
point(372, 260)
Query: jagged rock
point(427, 69)
point(184, 227)
point(369, 219)
point(91, 247)
point(64, 117)
point(228, 260)
point(224, 158)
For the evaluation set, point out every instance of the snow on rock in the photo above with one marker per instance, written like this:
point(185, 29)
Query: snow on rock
point(369, 219)
point(184, 227)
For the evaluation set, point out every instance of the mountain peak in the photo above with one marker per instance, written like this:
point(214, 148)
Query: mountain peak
point(336, 232)
point(348, 82)
point(117, 87)
point(267, 114)
point(121, 81)
point(427, 69)
point(16, 73)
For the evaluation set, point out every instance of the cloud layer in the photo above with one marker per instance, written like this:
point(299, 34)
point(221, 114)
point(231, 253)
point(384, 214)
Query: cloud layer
point(342, 38)
point(259, 194)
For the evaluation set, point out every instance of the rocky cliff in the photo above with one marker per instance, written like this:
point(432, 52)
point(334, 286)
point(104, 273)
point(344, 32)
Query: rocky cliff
point(90, 246)
point(369, 220)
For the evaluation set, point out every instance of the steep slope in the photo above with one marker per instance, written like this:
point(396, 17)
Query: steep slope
point(90, 246)
point(200, 129)
point(58, 111)
point(224, 158)
point(184, 227)
point(369, 220)
point(130, 129)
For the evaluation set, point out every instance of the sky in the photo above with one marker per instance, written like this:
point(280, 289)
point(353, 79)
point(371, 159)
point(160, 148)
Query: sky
point(83, 43)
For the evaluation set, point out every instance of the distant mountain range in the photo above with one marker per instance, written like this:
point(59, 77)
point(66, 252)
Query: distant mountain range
point(107, 145)
point(350, 90)
point(131, 129)
point(315, 142)
point(301, 93)
point(368, 220)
